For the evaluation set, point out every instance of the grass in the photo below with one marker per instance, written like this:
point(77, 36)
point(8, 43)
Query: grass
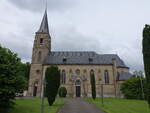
point(33, 106)
point(115, 105)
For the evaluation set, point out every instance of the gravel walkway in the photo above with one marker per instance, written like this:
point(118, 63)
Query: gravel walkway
point(78, 105)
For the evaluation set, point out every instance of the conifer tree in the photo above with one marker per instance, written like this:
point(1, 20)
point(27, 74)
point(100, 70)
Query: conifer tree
point(93, 86)
point(146, 57)
point(52, 77)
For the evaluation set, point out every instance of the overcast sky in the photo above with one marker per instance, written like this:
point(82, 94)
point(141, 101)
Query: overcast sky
point(104, 26)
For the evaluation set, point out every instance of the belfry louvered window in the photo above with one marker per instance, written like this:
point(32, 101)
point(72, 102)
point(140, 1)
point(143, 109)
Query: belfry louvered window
point(41, 40)
point(118, 76)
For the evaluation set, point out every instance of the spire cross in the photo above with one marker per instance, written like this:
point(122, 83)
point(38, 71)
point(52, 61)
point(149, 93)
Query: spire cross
point(46, 5)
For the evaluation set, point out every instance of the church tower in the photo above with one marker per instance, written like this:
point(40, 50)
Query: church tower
point(42, 42)
point(41, 49)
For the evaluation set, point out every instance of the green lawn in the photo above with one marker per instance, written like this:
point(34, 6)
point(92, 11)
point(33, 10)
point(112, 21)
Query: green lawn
point(115, 105)
point(33, 106)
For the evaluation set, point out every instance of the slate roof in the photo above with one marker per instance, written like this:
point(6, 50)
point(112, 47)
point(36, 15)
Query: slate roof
point(82, 58)
point(125, 76)
point(44, 24)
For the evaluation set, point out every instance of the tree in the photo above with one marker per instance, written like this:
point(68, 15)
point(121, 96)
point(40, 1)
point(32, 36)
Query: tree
point(11, 79)
point(62, 92)
point(93, 86)
point(52, 77)
point(25, 69)
point(132, 88)
point(146, 58)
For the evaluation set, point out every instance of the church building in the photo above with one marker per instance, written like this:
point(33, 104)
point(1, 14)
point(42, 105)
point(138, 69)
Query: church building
point(76, 68)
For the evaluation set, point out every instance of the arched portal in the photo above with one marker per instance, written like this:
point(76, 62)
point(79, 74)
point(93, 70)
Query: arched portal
point(78, 88)
point(35, 89)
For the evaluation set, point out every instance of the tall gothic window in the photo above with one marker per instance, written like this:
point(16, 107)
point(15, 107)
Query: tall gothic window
point(39, 56)
point(118, 76)
point(70, 71)
point(106, 75)
point(84, 71)
point(78, 72)
point(63, 77)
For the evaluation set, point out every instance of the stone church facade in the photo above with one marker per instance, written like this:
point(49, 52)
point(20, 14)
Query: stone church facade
point(76, 68)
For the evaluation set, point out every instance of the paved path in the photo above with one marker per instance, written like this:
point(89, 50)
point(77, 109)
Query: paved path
point(78, 105)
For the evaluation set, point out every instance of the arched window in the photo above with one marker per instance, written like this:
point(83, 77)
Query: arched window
point(78, 72)
point(39, 56)
point(118, 75)
point(70, 71)
point(63, 77)
point(99, 71)
point(60, 77)
point(106, 75)
point(84, 71)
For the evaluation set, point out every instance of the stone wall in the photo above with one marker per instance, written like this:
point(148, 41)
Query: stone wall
point(108, 89)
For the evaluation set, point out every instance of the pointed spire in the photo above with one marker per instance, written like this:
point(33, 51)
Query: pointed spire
point(44, 25)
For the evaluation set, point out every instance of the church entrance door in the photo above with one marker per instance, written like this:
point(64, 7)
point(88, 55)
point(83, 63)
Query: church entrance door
point(35, 88)
point(78, 88)
point(34, 91)
point(78, 91)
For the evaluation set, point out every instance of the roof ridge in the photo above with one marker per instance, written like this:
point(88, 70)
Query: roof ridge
point(73, 51)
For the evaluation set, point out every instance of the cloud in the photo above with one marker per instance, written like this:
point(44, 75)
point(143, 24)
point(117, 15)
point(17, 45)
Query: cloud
point(101, 25)
point(38, 5)
point(19, 46)
point(70, 39)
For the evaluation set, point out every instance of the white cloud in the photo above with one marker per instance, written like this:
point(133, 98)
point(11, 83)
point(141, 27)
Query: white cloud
point(101, 25)
point(37, 5)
